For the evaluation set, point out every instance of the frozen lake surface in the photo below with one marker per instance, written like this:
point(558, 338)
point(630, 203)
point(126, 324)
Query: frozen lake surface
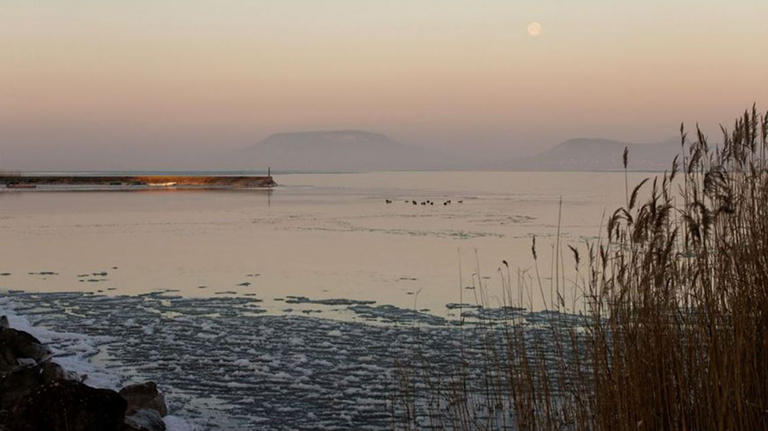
point(319, 236)
point(224, 365)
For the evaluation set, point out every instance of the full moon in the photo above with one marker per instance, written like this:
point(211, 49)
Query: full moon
point(534, 28)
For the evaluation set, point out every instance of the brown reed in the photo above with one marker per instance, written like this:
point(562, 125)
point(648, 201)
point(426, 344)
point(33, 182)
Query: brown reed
point(671, 327)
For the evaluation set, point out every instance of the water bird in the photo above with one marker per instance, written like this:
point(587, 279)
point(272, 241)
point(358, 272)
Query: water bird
point(414, 202)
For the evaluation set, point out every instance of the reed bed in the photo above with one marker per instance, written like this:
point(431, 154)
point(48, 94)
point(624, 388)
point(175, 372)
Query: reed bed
point(669, 331)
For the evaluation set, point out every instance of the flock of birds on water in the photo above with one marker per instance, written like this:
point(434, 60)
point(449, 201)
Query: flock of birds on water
point(427, 202)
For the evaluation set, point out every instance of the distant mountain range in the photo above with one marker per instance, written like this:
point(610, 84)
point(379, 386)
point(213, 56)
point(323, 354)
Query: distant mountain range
point(600, 155)
point(356, 150)
point(343, 150)
point(350, 151)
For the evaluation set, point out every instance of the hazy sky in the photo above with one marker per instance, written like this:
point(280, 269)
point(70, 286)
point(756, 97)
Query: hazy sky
point(136, 75)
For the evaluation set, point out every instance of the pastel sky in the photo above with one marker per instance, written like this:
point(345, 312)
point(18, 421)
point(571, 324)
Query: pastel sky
point(79, 75)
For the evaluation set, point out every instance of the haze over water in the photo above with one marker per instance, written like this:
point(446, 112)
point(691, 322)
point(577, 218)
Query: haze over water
point(116, 85)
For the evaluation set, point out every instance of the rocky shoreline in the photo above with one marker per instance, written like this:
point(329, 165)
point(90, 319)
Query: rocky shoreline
point(38, 394)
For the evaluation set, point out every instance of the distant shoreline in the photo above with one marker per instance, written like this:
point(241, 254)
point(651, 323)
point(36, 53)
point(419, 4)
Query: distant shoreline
point(32, 181)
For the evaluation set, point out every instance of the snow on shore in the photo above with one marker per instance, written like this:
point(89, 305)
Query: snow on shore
point(73, 352)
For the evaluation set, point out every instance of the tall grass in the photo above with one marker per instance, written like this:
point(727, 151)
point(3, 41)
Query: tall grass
point(671, 329)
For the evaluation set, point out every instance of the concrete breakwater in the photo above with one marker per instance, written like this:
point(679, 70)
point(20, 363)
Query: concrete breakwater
point(223, 181)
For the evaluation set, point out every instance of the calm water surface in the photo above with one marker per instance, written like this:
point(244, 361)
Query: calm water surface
point(317, 235)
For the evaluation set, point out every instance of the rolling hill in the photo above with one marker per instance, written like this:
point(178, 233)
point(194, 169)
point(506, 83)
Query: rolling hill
point(600, 155)
point(343, 150)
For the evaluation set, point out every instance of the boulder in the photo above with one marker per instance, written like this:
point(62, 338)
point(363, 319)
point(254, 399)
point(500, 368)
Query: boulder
point(52, 371)
point(18, 383)
point(19, 345)
point(65, 405)
point(144, 396)
point(144, 420)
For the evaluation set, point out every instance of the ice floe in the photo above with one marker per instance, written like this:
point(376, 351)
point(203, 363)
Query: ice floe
point(226, 365)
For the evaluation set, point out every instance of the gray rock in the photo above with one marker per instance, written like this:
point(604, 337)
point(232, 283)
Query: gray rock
point(144, 396)
point(64, 405)
point(52, 371)
point(20, 382)
point(144, 420)
point(15, 345)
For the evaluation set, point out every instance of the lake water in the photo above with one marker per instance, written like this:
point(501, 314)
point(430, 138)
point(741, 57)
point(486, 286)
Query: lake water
point(316, 235)
point(285, 309)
